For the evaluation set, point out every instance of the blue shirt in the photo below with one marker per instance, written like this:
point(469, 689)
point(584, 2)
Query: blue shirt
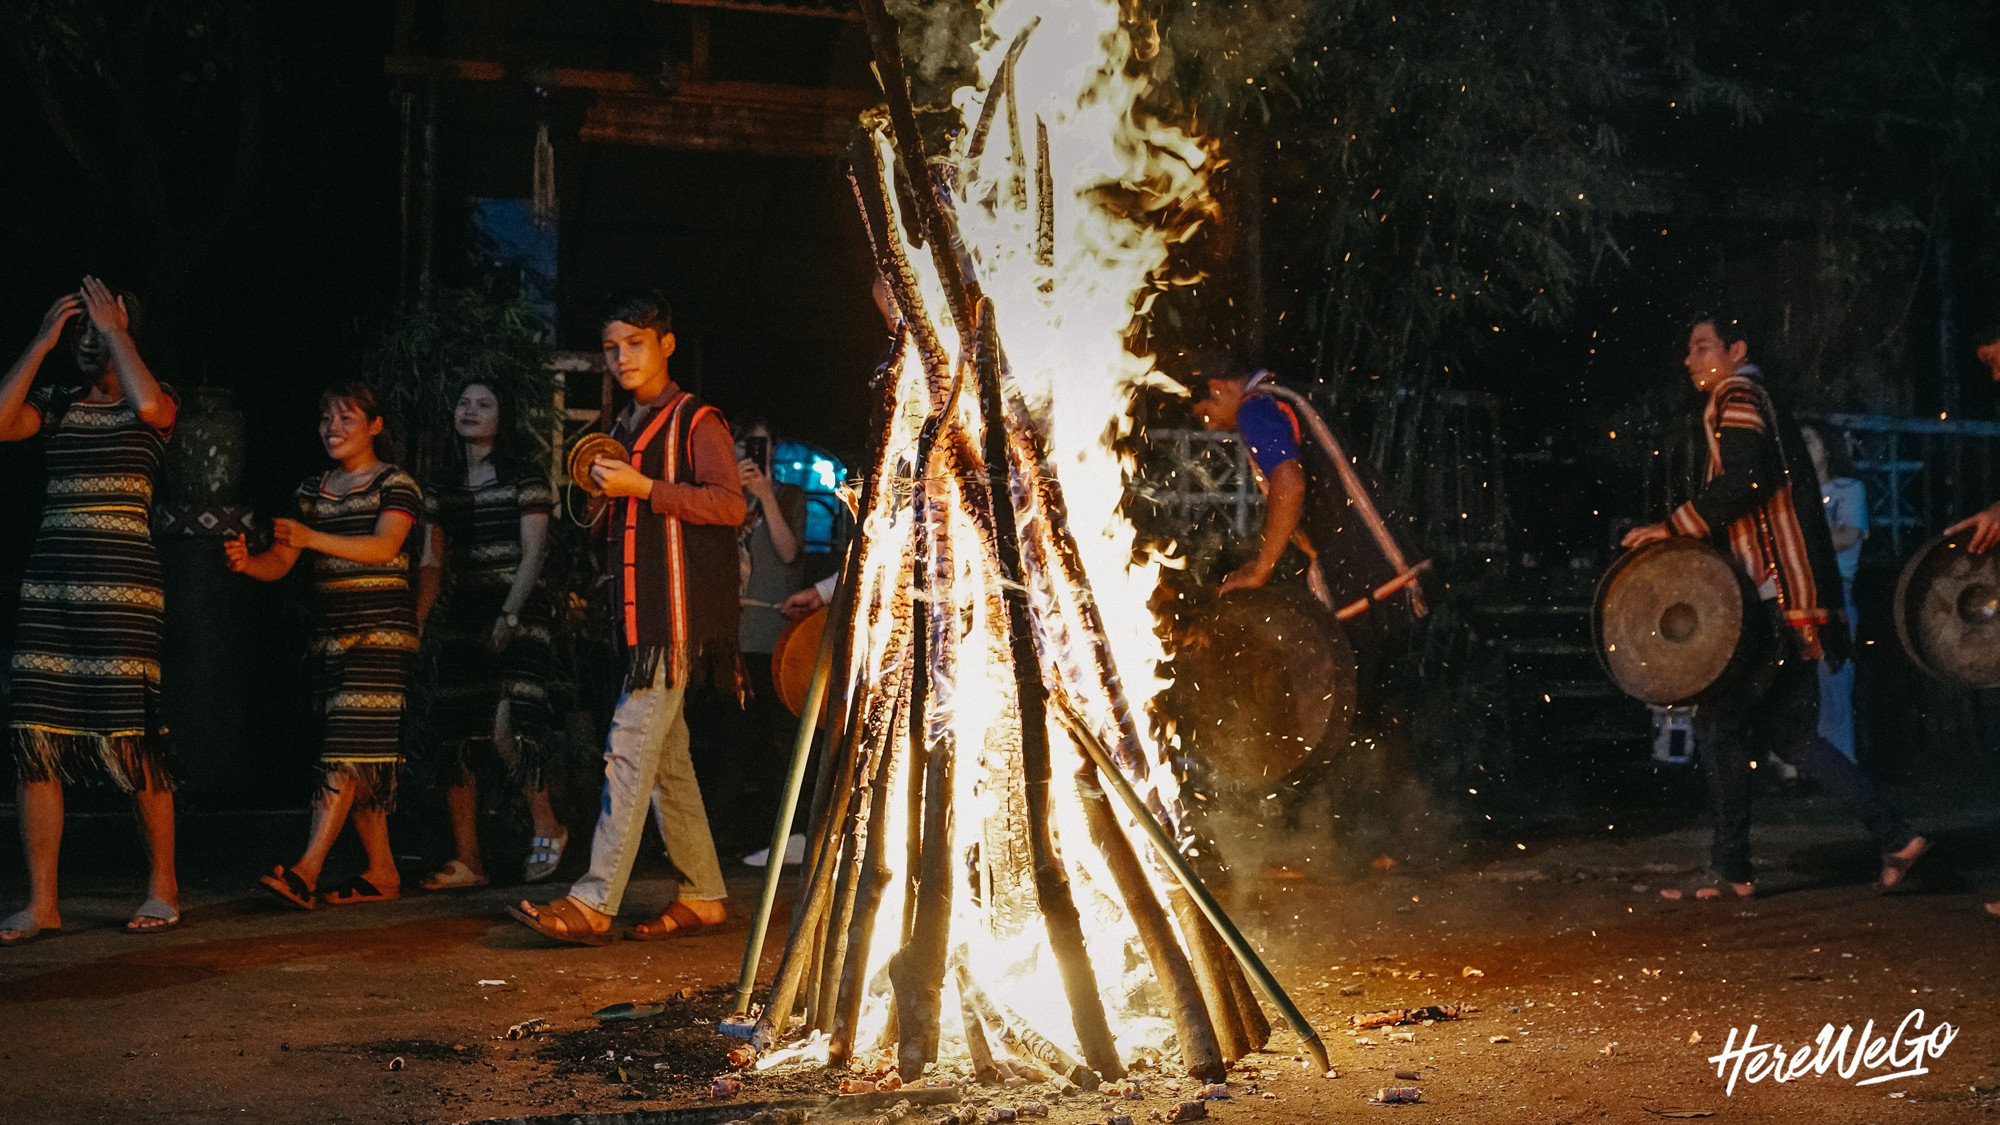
point(1267, 430)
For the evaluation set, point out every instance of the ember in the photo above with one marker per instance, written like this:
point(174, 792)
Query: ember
point(992, 625)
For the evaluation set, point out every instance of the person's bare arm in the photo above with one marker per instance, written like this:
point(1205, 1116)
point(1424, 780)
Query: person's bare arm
point(430, 571)
point(1284, 502)
point(534, 555)
point(18, 420)
point(391, 528)
point(154, 406)
point(778, 517)
point(1984, 526)
point(265, 566)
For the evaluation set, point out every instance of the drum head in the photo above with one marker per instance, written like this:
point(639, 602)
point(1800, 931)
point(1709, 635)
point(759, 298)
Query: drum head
point(793, 657)
point(1948, 613)
point(588, 448)
point(1668, 621)
point(1266, 678)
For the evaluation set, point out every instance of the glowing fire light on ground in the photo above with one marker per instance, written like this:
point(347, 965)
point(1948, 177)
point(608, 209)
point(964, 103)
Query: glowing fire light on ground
point(974, 892)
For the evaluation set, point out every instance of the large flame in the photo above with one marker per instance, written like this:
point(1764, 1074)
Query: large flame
point(1067, 213)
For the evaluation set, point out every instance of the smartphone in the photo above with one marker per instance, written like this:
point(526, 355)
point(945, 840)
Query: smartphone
point(756, 449)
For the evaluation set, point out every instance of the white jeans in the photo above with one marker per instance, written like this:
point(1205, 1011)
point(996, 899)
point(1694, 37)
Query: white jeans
point(646, 756)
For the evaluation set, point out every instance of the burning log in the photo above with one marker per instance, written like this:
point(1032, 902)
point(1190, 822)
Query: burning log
point(1017, 1037)
point(1199, 1052)
point(1093, 1031)
point(973, 607)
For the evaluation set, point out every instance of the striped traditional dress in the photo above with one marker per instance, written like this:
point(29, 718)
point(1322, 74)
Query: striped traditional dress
point(86, 662)
point(482, 530)
point(364, 632)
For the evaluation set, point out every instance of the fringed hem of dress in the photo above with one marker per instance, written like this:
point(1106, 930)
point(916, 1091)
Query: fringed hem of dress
point(129, 760)
point(457, 765)
point(377, 782)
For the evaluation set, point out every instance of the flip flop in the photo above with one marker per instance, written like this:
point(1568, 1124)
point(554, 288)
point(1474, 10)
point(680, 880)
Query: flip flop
point(544, 856)
point(686, 924)
point(357, 890)
point(25, 929)
point(453, 876)
point(574, 927)
point(1893, 864)
point(167, 915)
point(287, 885)
point(1709, 890)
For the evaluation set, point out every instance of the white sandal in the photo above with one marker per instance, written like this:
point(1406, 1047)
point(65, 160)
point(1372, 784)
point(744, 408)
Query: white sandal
point(453, 876)
point(544, 856)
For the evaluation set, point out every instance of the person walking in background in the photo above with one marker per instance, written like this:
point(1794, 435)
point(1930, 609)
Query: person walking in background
point(772, 545)
point(1759, 502)
point(485, 546)
point(671, 553)
point(86, 662)
point(1845, 500)
point(354, 520)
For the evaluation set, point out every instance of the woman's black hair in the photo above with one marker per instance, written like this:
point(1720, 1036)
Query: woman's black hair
point(1833, 439)
point(640, 308)
point(356, 392)
point(502, 458)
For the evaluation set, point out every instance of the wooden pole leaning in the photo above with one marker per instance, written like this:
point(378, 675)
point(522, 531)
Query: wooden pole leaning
point(1254, 966)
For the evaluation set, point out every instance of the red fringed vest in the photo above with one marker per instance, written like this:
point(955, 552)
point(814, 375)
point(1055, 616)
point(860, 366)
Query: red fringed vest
point(673, 584)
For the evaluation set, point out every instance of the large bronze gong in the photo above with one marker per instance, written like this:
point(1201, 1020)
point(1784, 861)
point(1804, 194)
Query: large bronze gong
point(1264, 678)
point(1669, 622)
point(1948, 613)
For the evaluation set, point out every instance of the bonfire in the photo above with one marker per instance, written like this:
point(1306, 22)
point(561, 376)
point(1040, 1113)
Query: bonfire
point(996, 875)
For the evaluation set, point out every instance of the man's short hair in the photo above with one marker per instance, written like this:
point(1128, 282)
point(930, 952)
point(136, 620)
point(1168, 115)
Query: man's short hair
point(1733, 325)
point(640, 308)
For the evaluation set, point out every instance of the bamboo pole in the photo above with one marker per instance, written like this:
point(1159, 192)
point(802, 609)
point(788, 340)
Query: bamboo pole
point(1252, 964)
point(1185, 1002)
point(917, 969)
point(884, 37)
point(861, 930)
point(1065, 926)
point(1211, 959)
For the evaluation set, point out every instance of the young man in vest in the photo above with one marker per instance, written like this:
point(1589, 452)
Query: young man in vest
point(670, 551)
point(1762, 502)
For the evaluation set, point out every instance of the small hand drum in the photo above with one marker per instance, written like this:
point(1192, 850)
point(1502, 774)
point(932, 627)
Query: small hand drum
point(1948, 613)
point(1669, 623)
point(591, 447)
point(793, 657)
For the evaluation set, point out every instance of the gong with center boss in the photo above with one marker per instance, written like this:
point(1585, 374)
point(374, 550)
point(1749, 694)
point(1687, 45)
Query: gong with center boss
point(1947, 610)
point(1670, 621)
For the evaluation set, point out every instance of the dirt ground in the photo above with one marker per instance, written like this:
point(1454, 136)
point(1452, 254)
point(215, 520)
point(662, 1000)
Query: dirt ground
point(1610, 1001)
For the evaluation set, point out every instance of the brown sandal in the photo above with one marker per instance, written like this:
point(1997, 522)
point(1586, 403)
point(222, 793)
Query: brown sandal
point(686, 923)
point(562, 920)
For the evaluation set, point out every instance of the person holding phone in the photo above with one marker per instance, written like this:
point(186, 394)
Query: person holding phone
point(86, 661)
point(771, 544)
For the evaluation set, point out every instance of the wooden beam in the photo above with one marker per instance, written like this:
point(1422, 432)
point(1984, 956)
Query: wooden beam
point(755, 117)
point(831, 10)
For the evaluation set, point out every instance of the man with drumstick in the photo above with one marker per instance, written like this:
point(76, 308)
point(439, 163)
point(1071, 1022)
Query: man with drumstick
point(1761, 502)
point(1985, 523)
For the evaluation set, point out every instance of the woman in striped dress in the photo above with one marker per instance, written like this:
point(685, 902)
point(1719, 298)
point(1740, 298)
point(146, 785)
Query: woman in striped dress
point(355, 519)
point(86, 661)
point(486, 543)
